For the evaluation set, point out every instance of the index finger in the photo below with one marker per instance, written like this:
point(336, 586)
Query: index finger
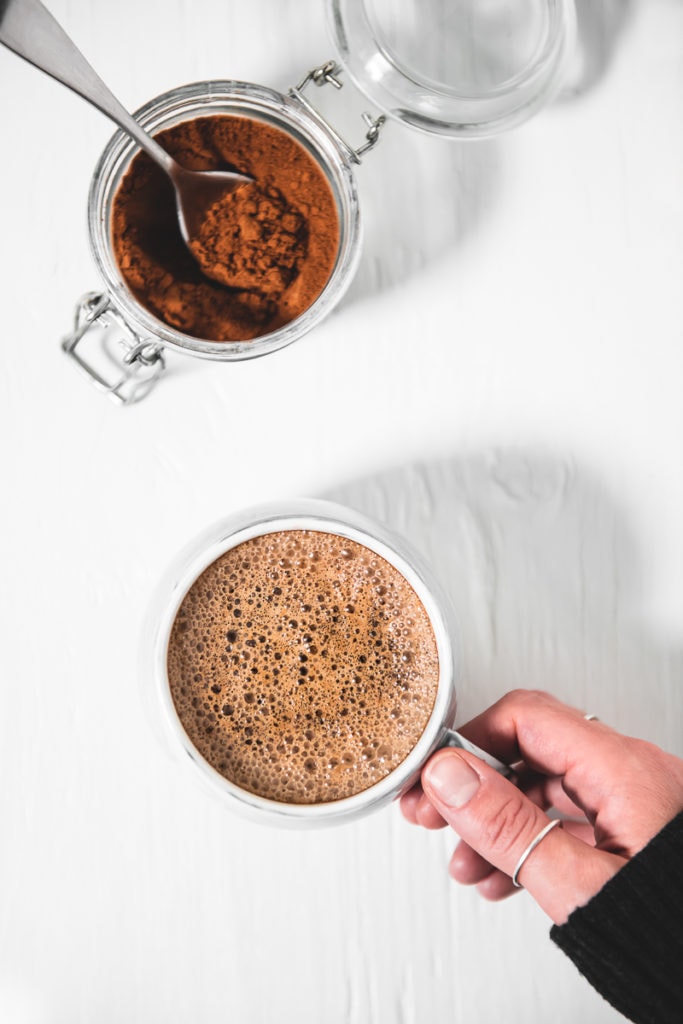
point(549, 736)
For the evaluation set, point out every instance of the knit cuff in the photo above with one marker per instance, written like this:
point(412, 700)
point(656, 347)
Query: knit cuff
point(628, 940)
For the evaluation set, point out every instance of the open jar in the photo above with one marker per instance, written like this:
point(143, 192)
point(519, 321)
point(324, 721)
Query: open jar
point(454, 68)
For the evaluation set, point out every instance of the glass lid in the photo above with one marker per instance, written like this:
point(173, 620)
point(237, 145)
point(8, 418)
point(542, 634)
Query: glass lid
point(455, 67)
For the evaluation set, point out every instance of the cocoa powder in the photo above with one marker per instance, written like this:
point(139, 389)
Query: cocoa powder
point(267, 249)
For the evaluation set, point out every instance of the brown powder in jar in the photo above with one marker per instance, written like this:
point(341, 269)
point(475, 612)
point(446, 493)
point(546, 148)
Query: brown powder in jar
point(272, 244)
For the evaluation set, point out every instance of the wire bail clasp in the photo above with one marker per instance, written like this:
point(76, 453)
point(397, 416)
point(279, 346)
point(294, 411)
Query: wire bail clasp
point(127, 366)
point(328, 74)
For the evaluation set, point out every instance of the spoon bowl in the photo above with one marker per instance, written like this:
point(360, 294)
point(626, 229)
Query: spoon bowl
point(196, 192)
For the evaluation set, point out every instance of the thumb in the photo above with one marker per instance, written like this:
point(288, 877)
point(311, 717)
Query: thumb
point(499, 822)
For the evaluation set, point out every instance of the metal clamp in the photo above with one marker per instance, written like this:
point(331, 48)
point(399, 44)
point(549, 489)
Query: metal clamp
point(130, 365)
point(328, 74)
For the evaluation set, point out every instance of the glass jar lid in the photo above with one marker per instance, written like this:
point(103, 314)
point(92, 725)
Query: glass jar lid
point(460, 68)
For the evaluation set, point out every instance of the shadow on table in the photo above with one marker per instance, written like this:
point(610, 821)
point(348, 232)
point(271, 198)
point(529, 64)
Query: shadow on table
point(544, 575)
point(599, 23)
point(421, 199)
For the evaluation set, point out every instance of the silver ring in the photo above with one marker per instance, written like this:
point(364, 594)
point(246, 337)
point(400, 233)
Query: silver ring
point(591, 718)
point(530, 848)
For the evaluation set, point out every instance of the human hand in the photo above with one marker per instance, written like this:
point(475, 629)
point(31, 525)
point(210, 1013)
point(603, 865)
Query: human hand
point(614, 792)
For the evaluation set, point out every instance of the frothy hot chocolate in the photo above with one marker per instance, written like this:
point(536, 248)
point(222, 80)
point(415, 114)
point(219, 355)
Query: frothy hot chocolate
point(303, 666)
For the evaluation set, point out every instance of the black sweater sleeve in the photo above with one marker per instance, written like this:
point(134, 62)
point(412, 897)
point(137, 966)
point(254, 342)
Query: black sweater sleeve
point(628, 940)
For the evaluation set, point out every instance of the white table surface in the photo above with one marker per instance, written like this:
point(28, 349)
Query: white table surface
point(502, 382)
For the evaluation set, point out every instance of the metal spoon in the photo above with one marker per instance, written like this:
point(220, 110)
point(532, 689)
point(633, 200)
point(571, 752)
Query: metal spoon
point(28, 28)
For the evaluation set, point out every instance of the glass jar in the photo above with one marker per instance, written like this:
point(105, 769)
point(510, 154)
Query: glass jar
point(330, 518)
point(454, 68)
point(141, 336)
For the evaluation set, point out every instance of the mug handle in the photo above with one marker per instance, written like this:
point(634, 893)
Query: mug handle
point(452, 738)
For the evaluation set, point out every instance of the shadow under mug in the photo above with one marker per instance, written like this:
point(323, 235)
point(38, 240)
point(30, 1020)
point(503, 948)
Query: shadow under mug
point(328, 518)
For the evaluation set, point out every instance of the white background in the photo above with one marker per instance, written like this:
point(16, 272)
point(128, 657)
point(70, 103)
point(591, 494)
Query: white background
point(502, 382)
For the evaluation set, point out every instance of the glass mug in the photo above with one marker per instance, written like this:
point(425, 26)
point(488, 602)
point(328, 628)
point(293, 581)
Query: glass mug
point(327, 518)
point(454, 68)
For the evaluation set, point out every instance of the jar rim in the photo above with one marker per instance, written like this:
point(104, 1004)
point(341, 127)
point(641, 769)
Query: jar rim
point(238, 99)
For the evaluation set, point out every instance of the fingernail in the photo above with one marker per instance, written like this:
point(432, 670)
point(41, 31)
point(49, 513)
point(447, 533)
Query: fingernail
point(452, 780)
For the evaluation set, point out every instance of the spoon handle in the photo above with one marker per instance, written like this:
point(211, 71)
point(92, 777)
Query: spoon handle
point(28, 28)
